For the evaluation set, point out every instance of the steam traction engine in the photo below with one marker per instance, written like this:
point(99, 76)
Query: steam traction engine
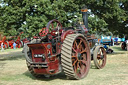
point(69, 49)
point(5, 43)
point(18, 42)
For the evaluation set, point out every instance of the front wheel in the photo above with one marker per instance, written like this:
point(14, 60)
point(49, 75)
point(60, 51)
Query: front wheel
point(99, 57)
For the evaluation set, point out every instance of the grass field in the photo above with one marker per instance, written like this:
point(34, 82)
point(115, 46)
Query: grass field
point(9, 50)
point(13, 71)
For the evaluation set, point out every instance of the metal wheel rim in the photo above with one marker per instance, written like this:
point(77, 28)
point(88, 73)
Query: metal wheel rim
point(80, 57)
point(100, 58)
point(50, 23)
point(122, 46)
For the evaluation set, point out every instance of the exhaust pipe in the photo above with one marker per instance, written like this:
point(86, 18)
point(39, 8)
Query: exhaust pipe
point(85, 16)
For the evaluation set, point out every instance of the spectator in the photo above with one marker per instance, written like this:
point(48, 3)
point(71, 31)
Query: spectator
point(112, 42)
point(14, 45)
point(2, 46)
point(126, 38)
point(99, 41)
point(116, 40)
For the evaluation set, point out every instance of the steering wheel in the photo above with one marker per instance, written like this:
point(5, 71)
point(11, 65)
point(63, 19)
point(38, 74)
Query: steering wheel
point(43, 32)
point(53, 27)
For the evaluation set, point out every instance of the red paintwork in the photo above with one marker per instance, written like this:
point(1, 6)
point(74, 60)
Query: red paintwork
point(11, 43)
point(18, 42)
point(5, 42)
point(51, 66)
point(55, 32)
point(35, 37)
point(52, 62)
point(64, 34)
point(43, 32)
point(25, 40)
point(53, 29)
point(58, 46)
point(85, 56)
point(4, 39)
point(52, 21)
point(85, 29)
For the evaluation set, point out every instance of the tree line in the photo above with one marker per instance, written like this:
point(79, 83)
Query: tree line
point(29, 16)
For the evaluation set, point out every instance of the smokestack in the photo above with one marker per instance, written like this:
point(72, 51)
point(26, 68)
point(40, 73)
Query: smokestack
point(85, 16)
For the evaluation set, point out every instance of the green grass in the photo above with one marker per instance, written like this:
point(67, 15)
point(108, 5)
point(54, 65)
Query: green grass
point(10, 50)
point(117, 48)
point(13, 71)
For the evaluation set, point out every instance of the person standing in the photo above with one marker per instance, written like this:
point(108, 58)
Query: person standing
point(2, 46)
point(116, 40)
point(112, 42)
point(126, 41)
point(14, 45)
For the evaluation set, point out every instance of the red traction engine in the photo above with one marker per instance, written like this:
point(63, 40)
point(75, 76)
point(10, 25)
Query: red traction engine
point(11, 41)
point(5, 42)
point(18, 42)
point(26, 40)
point(64, 49)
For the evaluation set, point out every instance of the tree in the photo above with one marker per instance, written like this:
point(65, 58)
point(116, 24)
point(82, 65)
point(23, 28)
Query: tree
point(32, 15)
point(110, 11)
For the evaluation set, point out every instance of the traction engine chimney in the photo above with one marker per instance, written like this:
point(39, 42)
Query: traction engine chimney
point(85, 16)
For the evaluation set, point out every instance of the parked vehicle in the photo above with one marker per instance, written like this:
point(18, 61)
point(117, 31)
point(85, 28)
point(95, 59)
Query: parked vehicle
point(106, 40)
point(5, 43)
point(64, 49)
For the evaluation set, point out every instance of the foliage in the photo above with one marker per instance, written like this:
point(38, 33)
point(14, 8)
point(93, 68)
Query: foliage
point(113, 12)
point(30, 16)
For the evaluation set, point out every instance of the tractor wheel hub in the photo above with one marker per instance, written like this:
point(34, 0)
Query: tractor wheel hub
point(79, 56)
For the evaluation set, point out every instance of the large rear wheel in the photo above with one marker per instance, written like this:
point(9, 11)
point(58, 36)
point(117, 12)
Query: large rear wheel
point(75, 56)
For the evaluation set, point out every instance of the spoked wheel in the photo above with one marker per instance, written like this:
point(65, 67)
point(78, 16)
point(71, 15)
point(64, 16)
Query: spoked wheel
point(21, 43)
point(75, 56)
point(43, 32)
point(99, 57)
point(127, 46)
point(53, 24)
point(19, 46)
point(54, 27)
point(7, 44)
point(123, 46)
